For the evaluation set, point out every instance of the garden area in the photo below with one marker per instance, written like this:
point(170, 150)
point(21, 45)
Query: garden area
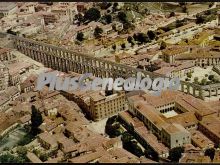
point(115, 129)
point(202, 76)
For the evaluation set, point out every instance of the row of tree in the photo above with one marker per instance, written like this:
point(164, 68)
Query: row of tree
point(212, 80)
point(141, 38)
point(131, 145)
point(97, 34)
point(112, 127)
point(20, 156)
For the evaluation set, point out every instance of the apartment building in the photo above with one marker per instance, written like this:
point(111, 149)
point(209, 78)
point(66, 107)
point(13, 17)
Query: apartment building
point(103, 106)
point(98, 105)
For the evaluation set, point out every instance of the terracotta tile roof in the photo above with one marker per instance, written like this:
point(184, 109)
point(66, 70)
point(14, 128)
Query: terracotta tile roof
point(201, 140)
point(48, 138)
point(211, 123)
point(194, 158)
point(150, 113)
point(89, 157)
point(151, 139)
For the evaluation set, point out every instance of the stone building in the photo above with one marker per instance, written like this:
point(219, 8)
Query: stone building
point(96, 104)
point(49, 18)
point(4, 102)
point(171, 116)
point(103, 106)
point(4, 76)
point(47, 141)
point(210, 127)
point(177, 70)
point(29, 84)
point(7, 8)
point(173, 135)
point(5, 54)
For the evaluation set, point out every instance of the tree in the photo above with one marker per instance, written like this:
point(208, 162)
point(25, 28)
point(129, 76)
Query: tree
point(146, 11)
point(210, 152)
point(204, 81)
point(113, 130)
point(172, 14)
point(133, 147)
point(128, 25)
point(211, 77)
point(200, 19)
point(126, 137)
point(115, 5)
point(196, 80)
point(187, 79)
point(211, 4)
point(208, 12)
point(92, 14)
point(98, 31)
point(11, 32)
point(151, 35)
point(175, 154)
point(149, 153)
point(21, 150)
point(108, 11)
point(36, 120)
point(130, 39)
point(123, 46)
point(108, 18)
point(9, 158)
point(79, 17)
point(43, 157)
point(105, 5)
point(112, 119)
point(80, 36)
point(163, 45)
point(114, 47)
point(185, 10)
point(142, 38)
point(112, 127)
point(179, 23)
point(122, 17)
point(135, 36)
point(189, 74)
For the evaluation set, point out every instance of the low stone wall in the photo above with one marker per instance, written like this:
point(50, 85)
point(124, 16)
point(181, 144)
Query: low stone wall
point(9, 129)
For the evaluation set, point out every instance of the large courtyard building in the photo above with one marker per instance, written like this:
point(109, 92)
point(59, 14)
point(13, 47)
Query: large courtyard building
point(172, 117)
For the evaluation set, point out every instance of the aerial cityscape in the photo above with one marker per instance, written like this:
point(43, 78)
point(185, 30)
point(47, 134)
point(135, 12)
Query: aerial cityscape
point(111, 40)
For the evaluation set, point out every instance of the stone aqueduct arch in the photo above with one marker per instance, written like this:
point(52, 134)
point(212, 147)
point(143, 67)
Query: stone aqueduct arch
point(66, 60)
